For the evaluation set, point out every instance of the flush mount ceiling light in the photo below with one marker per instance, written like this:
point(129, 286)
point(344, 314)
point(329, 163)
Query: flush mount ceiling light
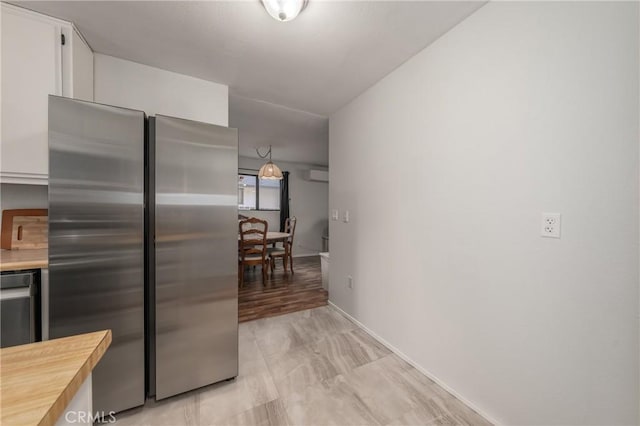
point(284, 10)
point(269, 170)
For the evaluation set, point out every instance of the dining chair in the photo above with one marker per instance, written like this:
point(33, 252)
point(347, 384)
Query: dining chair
point(252, 248)
point(286, 251)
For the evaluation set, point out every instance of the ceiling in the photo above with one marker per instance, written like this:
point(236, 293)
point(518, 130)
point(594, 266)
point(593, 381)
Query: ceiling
point(295, 135)
point(316, 63)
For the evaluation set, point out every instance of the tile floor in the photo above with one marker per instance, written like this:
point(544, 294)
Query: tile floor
point(311, 367)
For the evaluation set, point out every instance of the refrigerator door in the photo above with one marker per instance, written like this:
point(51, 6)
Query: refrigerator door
point(96, 268)
point(196, 238)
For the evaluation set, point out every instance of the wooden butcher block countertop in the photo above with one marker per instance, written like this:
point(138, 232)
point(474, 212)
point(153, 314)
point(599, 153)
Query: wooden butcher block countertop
point(17, 260)
point(38, 380)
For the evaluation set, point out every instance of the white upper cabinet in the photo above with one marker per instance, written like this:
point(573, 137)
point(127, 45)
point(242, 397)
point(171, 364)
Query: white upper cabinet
point(82, 68)
point(31, 70)
point(35, 64)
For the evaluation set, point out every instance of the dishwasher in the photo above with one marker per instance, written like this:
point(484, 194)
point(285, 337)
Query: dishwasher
point(19, 308)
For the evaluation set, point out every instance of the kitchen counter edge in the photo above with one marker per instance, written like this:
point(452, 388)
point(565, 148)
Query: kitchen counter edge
point(39, 380)
point(21, 260)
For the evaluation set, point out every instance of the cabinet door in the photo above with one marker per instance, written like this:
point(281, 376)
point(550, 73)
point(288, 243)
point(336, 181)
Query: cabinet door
point(82, 69)
point(31, 70)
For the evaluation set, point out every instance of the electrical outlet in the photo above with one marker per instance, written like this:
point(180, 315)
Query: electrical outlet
point(349, 281)
point(550, 227)
point(335, 214)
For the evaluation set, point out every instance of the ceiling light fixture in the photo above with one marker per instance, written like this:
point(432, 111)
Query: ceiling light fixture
point(284, 10)
point(269, 170)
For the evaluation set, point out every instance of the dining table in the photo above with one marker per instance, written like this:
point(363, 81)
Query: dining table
point(273, 238)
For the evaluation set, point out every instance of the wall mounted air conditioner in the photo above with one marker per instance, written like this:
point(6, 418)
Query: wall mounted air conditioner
point(318, 175)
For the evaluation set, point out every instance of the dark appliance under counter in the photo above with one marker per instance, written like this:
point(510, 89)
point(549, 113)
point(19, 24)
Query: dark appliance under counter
point(19, 308)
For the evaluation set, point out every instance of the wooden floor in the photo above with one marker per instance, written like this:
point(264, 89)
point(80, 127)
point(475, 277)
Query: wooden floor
point(282, 293)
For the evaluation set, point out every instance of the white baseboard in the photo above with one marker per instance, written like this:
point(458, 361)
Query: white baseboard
point(306, 255)
point(413, 363)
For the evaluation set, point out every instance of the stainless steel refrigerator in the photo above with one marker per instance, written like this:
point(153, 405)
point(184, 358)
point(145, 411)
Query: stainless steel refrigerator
point(96, 239)
point(193, 188)
point(164, 278)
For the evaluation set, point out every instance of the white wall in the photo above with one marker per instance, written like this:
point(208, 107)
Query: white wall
point(309, 203)
point(15, 196)
point(523, 108)
point(128, 84)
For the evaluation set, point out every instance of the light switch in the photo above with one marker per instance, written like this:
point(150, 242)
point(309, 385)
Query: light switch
point(335, 214)
point(345, 218)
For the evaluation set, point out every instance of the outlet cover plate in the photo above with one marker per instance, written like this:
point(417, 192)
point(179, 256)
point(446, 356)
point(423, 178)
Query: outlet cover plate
point(550, 225)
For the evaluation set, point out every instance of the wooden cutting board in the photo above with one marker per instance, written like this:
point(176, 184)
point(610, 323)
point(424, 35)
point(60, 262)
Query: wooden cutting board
point(25, 229)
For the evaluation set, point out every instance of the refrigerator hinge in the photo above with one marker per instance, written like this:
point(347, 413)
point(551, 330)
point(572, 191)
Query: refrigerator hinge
point(62, 39)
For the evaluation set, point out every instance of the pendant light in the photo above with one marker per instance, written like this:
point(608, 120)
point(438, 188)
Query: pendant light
point(284, 10)
point(269, 170)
